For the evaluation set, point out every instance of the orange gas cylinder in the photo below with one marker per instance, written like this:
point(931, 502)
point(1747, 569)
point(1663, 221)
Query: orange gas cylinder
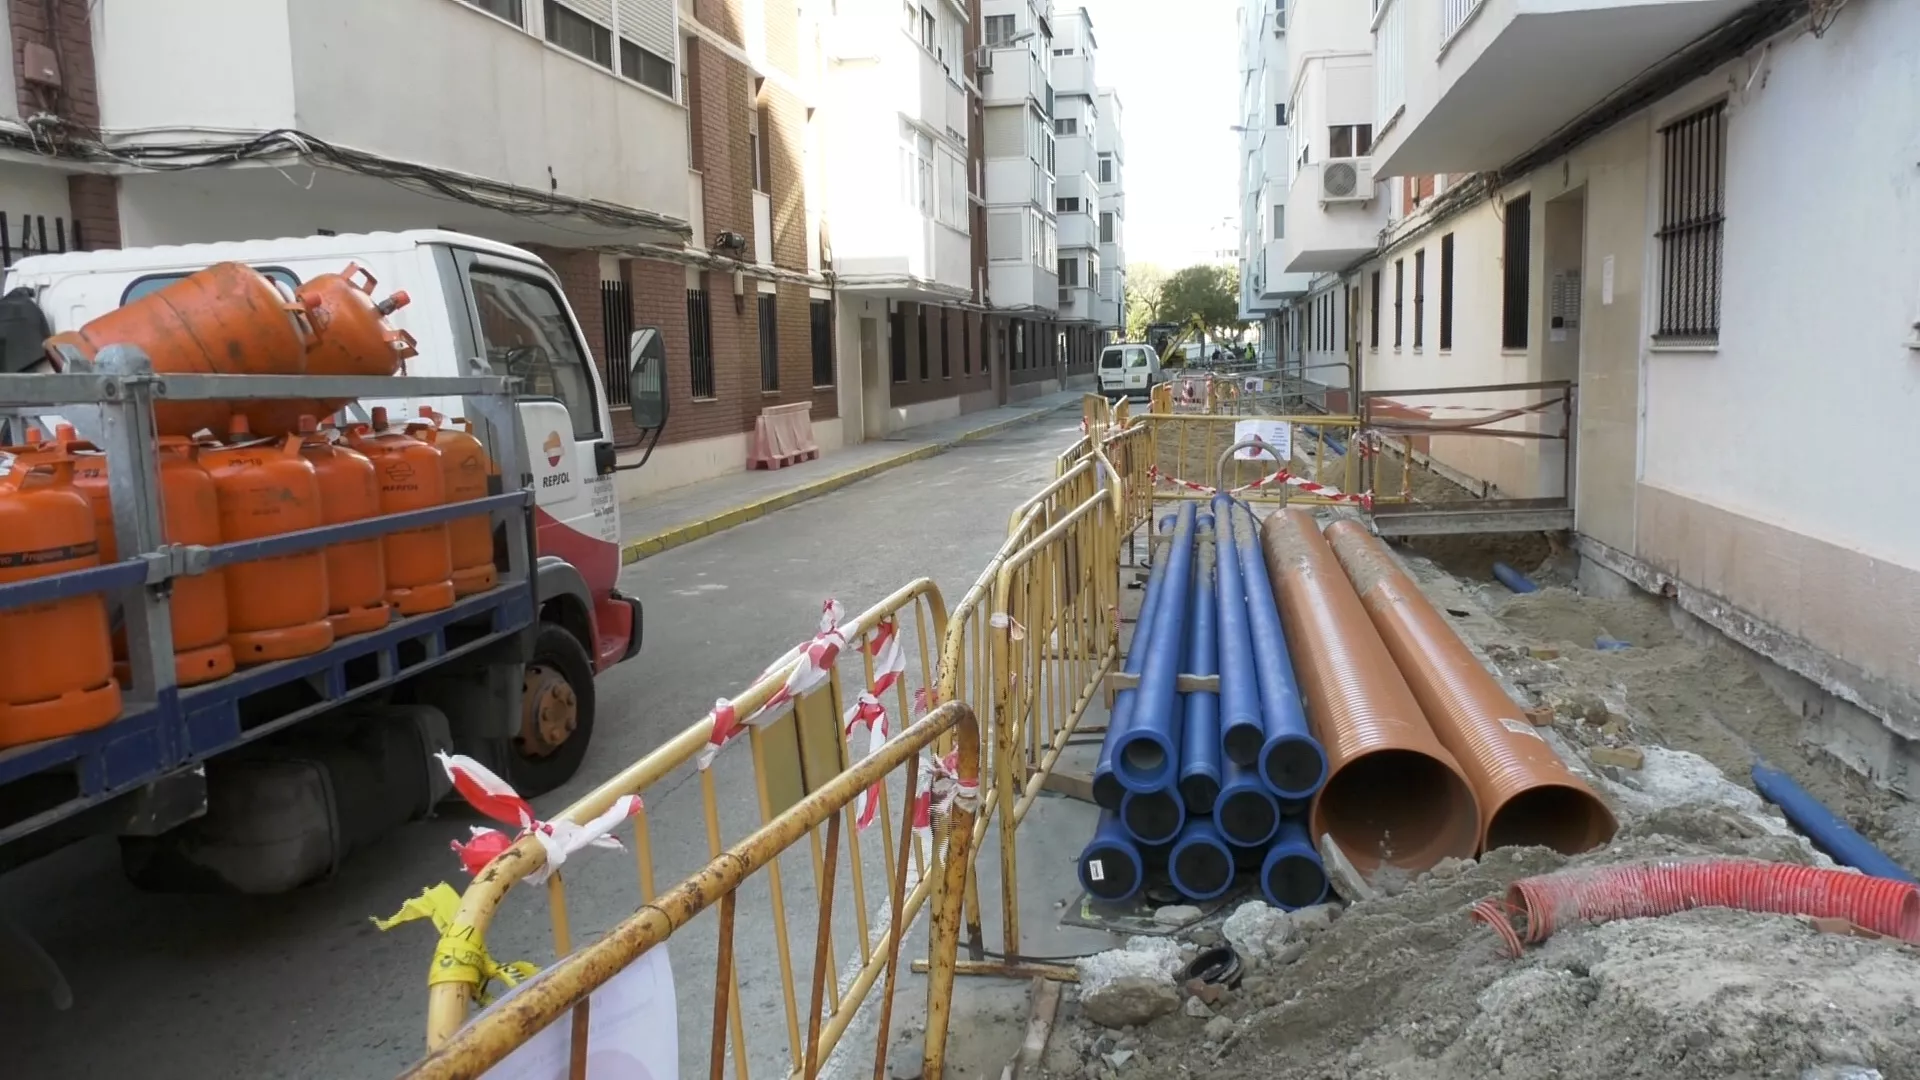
point(419, 561)
point(466, 468)
point(191, 515)
point(351, 337)
point(277, 607)
point(356, 570)
point(225, 320)
point(57, 674)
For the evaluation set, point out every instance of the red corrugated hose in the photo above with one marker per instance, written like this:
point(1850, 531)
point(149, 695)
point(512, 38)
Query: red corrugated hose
point(1643, 890)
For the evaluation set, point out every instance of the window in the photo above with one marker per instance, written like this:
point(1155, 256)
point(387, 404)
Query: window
point(579, 35)
point(1419, 297)
point(1066, 205)
point(920, 313)
point(1279, 114)
point(1516, 273)
point(646, 67)
point(1279, 221)
point(946, 361)
point(1063, 52)
point(1349, 140)
point(1106, 227)
point(690, 97)
point(769, 342)
point(509, 10)
point(1106, 168)
point(1069, 272)
point(820, 316)
point(999, 29)
point(527, 335)
point(153, 283)
point(897, 344)
point(1446, 292)
point(1346, 315)
point(759, 128)
point(700, 341)
point(1692, 220)
point(929, 29)
point(1399, 295)
point(1066, 125)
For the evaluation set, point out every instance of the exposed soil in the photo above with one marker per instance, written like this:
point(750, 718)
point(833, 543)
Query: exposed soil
point(1407, 987)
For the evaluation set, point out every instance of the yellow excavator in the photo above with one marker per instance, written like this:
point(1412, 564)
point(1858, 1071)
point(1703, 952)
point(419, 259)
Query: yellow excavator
point(1169, 339)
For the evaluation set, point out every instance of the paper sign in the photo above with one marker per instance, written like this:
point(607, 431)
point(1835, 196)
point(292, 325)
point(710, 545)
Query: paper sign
point(631, 1031)
point(1277, 434)
point(1096, 871)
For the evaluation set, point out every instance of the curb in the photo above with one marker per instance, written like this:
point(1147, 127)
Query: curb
point(678, 535)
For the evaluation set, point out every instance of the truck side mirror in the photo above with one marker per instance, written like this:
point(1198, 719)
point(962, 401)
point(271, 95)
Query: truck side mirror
point(647, 378)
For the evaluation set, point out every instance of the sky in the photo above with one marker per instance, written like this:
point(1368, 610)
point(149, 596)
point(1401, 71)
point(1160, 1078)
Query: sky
point(1178, 80)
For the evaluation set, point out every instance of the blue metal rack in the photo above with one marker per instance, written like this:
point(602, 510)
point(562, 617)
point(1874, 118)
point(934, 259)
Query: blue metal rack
point(164, 728)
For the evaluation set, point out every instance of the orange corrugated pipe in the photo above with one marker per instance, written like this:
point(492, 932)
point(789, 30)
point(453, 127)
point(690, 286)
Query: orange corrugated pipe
point(1527, 795)
point(1394, 796)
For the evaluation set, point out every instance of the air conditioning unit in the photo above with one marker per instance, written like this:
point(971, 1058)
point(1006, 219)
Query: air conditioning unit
point(1347, 180)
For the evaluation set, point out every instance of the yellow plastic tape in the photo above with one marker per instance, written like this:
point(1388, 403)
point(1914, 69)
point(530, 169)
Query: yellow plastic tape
point(461, 955)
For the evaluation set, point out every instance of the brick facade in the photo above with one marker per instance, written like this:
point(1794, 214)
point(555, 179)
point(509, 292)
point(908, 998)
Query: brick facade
point(963, 373)
point(96, 209)
point(94, 199)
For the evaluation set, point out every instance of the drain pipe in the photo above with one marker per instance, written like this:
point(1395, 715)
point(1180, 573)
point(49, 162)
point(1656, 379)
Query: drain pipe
point(1291, 760)
point(1513, 579)
point(1242, 730)
point(1823, 826)
point(1107, 791)
point(1202, 864)
point(1291, 876)
point(1146, 755)
point(1152, 817)
point(1200, 739)
point(1110, 867)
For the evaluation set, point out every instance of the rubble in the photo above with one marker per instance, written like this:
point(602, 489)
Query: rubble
point(1257, 931)
point(1129, 1001)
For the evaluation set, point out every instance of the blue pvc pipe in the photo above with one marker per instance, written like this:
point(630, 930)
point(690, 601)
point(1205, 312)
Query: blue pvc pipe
point(1152, 817)
point(1146, 756)
point(1107, 791)
point(1110, 867)
point(1513, 579)
point(1200, 737)
point(1246, 813)
point(1202, 864)
point(1242, 731)
point(1291, 760)
point(1825, 828)
point(1291, 875)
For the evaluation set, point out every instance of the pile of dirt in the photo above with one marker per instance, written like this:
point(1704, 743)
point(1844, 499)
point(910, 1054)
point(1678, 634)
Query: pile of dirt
point(1409, 986)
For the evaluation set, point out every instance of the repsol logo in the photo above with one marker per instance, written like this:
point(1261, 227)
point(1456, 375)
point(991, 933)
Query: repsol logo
point(556, 480)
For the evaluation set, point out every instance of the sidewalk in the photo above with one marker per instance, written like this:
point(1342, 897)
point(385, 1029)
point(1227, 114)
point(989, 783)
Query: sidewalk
point(667, 519)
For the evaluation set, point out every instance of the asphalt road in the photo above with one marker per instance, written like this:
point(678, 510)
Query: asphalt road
point(303, 986)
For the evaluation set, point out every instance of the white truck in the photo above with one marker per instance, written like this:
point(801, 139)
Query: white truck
point(266, 779)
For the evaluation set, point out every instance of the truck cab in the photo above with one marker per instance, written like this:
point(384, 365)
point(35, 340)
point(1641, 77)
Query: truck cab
point(474, 307)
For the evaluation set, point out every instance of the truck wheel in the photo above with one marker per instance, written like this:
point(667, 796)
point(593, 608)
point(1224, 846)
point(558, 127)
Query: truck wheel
point(556, 714)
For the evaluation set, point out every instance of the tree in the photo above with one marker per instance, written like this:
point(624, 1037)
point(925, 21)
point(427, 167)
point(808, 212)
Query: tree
point(1146, 286)
point(1208, 293)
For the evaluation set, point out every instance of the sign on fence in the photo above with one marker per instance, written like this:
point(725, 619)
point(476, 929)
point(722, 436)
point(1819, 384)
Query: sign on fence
point(631, 1031)
point(1277, 434)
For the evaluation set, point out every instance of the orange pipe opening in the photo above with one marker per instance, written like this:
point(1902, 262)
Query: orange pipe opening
point(1394, 796)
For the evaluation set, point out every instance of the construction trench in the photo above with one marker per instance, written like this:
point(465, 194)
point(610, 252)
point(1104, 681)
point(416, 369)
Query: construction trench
point(1600, 750)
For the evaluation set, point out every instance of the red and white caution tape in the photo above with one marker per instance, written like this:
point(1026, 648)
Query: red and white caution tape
point(495, 798)
point(868, 711)
point(1311, 487)
point(816, 657)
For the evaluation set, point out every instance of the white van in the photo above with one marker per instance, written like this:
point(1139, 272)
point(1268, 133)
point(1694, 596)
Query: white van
point(1129, 369)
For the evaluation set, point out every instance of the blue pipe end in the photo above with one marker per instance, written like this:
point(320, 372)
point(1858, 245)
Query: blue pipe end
point(1825, 828)
point(1293, 766)
point(1107, 789)
point(1246, 813)
point(1152, 817)
point(1513, 579)
point(1241, 738)
point(1110, 867)
point(1291, 876)
point(1144, 758)
point(1201, 865)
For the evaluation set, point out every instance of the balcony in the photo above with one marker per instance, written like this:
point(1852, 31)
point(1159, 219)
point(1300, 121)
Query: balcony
point(1018, 180)
point(1335, 211)
point(1473, 84)
point(1022, 286)
point(1079, 230)
point(486, 99)
point(1077, 303)
point(1073, 75)
point(1015, 76)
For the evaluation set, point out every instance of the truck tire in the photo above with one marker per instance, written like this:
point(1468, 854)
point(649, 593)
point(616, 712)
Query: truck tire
point(556, 714)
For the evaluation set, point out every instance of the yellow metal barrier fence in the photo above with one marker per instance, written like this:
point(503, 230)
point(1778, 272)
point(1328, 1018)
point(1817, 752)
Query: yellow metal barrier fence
point(1187, 449)
point(801, 763)
point(470, 1051)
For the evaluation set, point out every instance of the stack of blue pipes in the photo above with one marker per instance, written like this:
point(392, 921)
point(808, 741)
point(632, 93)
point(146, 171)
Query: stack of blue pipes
point(1201, 785)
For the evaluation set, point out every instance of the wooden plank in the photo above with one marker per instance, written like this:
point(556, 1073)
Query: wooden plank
point(1074, 785)
point(1122, 680)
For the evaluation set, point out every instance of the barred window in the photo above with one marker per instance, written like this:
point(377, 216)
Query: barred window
point(1693, 187)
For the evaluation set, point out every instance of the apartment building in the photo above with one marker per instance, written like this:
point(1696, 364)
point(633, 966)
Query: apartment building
point(1679, 224)
point(1076, 194)
point(1109, 165)
point(656, 153)
point(50, 202)
point(900, 117)
point(1265, 176)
